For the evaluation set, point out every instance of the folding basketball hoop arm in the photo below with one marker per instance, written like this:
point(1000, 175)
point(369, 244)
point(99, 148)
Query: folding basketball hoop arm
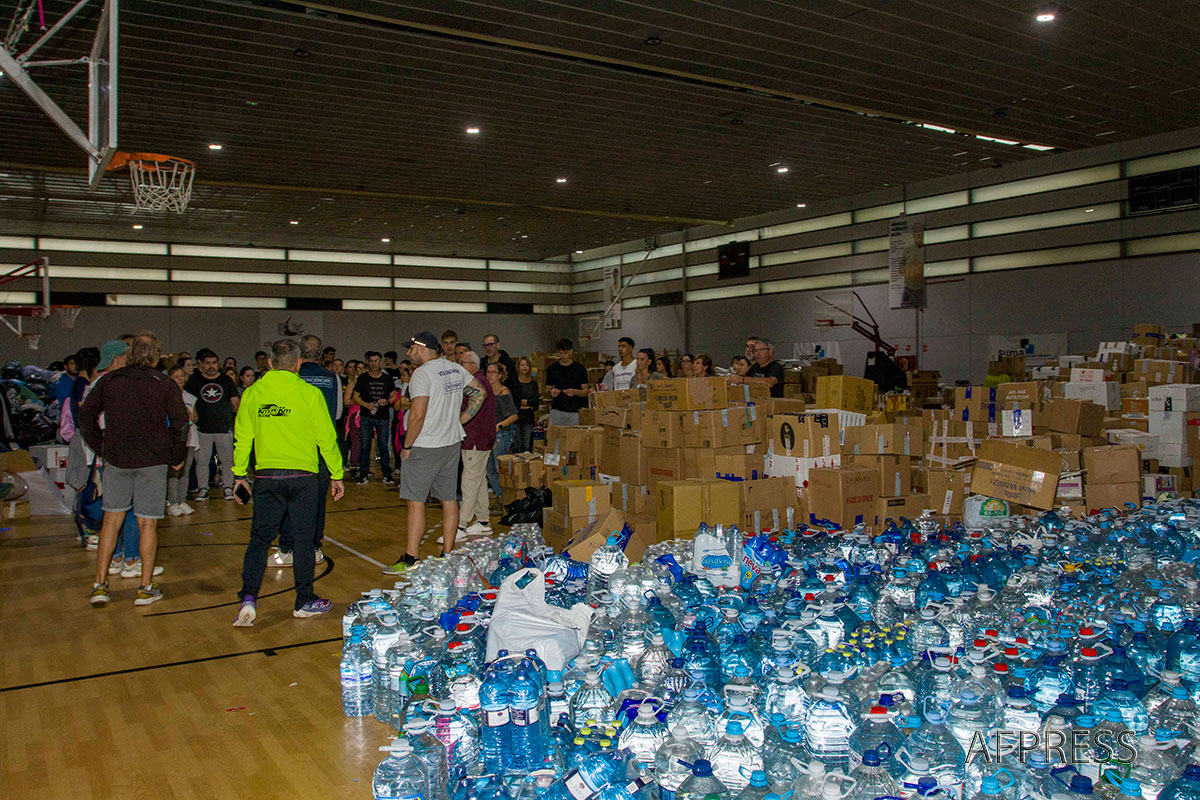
point(866, 327)
point(99, 142)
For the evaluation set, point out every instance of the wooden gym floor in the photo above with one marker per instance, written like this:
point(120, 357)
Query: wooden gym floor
point(170, 701)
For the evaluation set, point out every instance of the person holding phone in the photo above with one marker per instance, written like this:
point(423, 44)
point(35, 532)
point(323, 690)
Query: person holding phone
point(287, 423)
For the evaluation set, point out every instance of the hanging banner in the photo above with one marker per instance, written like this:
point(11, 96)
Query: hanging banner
point(612, 291)
point(906, 262)
point(1039, 349)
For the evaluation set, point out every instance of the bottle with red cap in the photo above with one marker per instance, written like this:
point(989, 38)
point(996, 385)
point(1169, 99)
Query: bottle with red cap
point(877, 728)
point(1089, 673)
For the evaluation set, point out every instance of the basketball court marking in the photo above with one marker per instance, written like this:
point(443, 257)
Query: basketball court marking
point(352, 551)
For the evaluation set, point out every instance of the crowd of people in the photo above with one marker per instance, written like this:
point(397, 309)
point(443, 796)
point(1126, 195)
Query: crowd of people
point(163, 429)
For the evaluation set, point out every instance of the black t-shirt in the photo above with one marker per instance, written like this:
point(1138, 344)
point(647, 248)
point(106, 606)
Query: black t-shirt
point(375, 390)
point(571, 376)
point(214, 402)
point(772, 370)
point(527, 394)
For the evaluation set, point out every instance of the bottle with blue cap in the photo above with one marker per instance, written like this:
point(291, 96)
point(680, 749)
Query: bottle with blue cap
point(702, 784)
point(876, 730)
point(695, 718)
point(934, 741)
point(671, 760)
point(785, 761)
point(608, 558)
point(758, 788)
point(401, 773)
point(871, 776)
point(1185, 787)
point(994, 786)
point(733, 757)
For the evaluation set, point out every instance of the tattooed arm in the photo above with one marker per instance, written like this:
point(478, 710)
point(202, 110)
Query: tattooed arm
point(473, 392)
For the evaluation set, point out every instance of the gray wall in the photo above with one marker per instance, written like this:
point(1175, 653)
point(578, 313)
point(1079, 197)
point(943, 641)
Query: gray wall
point(240, 332)
point(1091, 302)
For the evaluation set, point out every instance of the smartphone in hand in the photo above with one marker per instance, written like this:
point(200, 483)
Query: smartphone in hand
point(242, 493)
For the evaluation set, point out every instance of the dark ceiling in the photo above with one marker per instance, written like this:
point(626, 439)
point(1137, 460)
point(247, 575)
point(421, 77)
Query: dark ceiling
point(365, 138)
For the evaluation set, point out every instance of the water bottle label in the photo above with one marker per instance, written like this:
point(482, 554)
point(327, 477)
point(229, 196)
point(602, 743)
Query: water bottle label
point(496, 719)
point(577, 787)
point(524, 716)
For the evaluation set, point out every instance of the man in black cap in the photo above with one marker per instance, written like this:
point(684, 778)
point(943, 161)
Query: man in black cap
point(432, 441)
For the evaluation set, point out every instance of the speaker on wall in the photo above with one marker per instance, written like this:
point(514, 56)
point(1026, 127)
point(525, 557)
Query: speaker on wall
point(733, 260)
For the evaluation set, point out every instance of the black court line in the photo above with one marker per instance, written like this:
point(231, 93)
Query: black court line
point(328, 562)
point(266, 651)
point(328, 511)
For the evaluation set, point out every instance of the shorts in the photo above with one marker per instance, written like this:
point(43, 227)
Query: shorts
point(143, 489)
point(431, 470)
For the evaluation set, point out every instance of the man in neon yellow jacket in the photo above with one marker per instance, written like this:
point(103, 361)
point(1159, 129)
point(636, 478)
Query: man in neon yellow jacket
point(286, 422)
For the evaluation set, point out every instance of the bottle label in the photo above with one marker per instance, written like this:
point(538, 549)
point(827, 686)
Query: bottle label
point(496, 719)
point(577, 787)
point(524, 716)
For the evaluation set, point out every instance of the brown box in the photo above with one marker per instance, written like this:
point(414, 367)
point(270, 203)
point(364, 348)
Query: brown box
point(738, 467)
point(680, 508)
point(581, 498)
point(587, 541)
point(663, 464)
point(1018, 394)
point(846, 393)
point(765, 502)
point(1156, 372)
point(558, 529)
point(1149, 335)
point(892, 439)
point(721, 428)
point(1112, 464)
point(1112, 495)
point(975, 403)
point(895, 478)
point(907, 507)
point(587, 416)
point(1072, 460)
point(946, 490)
point(14, 510)
point(701, 462)
point(687, 394)
point(615, 399)
point(803, 436)
point(662, 429)
point(1073, 441)
point(781, 405)
point(1183, 478)
point(1076, 416)
point(1018, 474)
point(632, 498)
point(631, 466)
point(612, 416)
point(844, 495)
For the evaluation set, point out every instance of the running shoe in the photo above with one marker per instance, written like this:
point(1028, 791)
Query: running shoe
point(313, 608)
point(279, 559)
point(202, 494)
point(318, 556)
point(133, 569)
point(247, 613)
point(228, 493)
point(404, 564)
point(147, 595)
point(99, 594)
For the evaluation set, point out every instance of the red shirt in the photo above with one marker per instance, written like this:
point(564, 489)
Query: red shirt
point(481, 430)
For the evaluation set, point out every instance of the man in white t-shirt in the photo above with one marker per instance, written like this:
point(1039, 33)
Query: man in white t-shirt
point(620, 377)
point(432, 441)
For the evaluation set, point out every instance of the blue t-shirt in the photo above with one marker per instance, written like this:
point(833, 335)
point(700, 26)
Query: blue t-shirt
point(327, 382)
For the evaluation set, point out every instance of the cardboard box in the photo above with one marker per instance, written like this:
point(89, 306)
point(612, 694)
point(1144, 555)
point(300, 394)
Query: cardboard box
point(897, 508)
point(679, 508)
point(1072, 460)
point(894, 473)
point(612, 399)
point(892, 439)
point(1112, 464)
point(49, 456)
point(1102, 393)
point(1087, 375)
point(663, 464)
point(687, 394)
point(798, 469)
point(577, 498)
point(1182, 476)
point(977, 403)
point(767, 503)
point(1157, 371)
point(1113, 495)
point(701, 462)
point(721, 428)
point(1017, 422)
point(1149, 335)
point(557, 529)
point(946, 490)
point(1155, 485)
point(1073, 441)
point(1076, 416)
point(631, 464)
point(613, 416)
point(843, 495)
point(662, 429)
point(1017, 474)
point(808, 435)
point(635, 538)
point(17, 461)
point(11, 510)
point(1146, 444)
point(845, 392)
point(1169, 426)
point(632, 498)
point(780, 405)
point(1070, 487)
point(1174, 397)
point(1171, 454)
point(1018, 394)
point(738, 467)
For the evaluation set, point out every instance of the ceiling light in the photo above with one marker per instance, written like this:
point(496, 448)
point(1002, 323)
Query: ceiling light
point(524, 235)
point(653, 40)
point(1041, 148)
point(385, 240)
point(578, 251)
point(781, 170)
point(1045, 17)
point(294, 222)
point(216, 146)
point(560, 180)
point(138, 227)
point(1088, 210)
point(801, 205)
point(472, 130)
point(300, 52)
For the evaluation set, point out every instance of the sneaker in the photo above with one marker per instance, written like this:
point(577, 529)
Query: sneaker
point(99, 594)
point(228, 493)
point(175, 510)
point(133, 569)
point(279, 559)
point(93, 541)
point(116, 565)
point(147, 595)
point(184, 508)
point(362, 481)
point(247, 613)
point(388, 479)
point(404, 564)
point(202, 494)
point(313, 608)
point(318, 556)
point(479, 529)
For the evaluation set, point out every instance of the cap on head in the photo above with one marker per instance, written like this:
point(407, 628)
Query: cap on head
point(111, 349)
point(426, 339)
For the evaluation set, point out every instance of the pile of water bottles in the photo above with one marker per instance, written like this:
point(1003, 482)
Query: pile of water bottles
point(1044, 658)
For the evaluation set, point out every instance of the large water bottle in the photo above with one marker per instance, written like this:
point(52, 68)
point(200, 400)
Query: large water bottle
point(428, 748)
point(872, 778)
point(529, 743)
point(495, 732)
point(607, 559)
point(1154, 766)
point(717, 555)
point(655, 660)
point(1088, 673)
point(702, 784)
point(934, 742)
point(459, 734)
point(387, 635)
point(401, 774)
point(356, 672)
point(1117, 699)
point(644, 736)
point(671, 760)
point(694, 718)
point(733, 757)
point(759, 787)
point(879, 733)
point(828, 727)
point(785, 761)
point(974, 709)
point(595, 771)
point(738, 707)
point(592, 701)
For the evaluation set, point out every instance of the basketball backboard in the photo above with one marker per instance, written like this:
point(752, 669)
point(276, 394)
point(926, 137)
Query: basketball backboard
point(18, 64)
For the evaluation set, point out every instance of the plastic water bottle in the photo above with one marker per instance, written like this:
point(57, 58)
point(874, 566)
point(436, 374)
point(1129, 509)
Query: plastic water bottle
point(387, 635)
point(459, 734)
point(934, 742)
point(595, 771)
point(785, 761)
point(655, 660)
point(732, 754)
point(702, 784)
point(495, 732)
point(592, 701)
point(757, 789)
point(738, 707)
point(872, 778)
point(529, 743)
point(607, 559)
point(827, 728)
point(1116, 698)
point(671, 760)
point(428, 748)
point(401, 774)
point(356, 673)
point(690, 715)
point(879, 733)
point(644, 736)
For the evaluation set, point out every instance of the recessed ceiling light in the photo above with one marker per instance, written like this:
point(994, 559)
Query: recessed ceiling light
point(781, 170)
point(1088, 210)
point(524, 235)
point(801, 205)
point(216, 146)
point(385, 240)
point(294, 222)
point(560, 180)
point(300, 52)
point(653, 40)
point(1045, 17)
point(472, 130)
point(578, 251)
point(138, 227)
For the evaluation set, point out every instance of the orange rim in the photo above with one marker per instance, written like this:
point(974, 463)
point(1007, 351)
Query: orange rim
point(151, 160)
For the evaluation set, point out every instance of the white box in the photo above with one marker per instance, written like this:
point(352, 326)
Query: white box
point(49, 456)
point(1175, 397)
point(1067, 362)
point(1044, 373)
point(1087, 375)
point(783, 466)
point(1017, 422)
point(1169, 426)
point(1070, 486)
point(1118, 349)
point(1154, 485)
point(1173, 455)
point(1106, 393)
point(1146, 443)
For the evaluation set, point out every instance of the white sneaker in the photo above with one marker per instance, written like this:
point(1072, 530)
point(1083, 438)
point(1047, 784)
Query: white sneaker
point(186, 509)
point(133, 569)
point(279, 559)
point(479, 529)
point(93, 541)
point(318, 556)
point(175, 510)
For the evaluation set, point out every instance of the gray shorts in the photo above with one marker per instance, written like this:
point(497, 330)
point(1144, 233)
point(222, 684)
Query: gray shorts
point(431, 470)
point(143, 489)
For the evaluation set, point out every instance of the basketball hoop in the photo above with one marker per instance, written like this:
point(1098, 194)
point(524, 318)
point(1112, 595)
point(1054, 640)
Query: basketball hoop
point(160, 183)
point(67, 316)
point(31, 340)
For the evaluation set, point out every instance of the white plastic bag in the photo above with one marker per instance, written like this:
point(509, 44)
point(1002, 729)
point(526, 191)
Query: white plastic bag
point(980, 512)
point(523, 620)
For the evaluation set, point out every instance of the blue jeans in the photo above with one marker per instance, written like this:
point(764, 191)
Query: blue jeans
point(502, 447)
point(377, 428)
point(131, 538)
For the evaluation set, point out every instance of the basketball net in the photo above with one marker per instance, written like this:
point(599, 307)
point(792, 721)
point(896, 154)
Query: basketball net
point(67, 316)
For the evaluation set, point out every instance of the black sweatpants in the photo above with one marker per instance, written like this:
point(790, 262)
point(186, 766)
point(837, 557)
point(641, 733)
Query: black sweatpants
point(285, 531)
point(280, 501)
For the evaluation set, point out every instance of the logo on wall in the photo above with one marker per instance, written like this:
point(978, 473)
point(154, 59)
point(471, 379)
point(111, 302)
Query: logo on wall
point(290, 328)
